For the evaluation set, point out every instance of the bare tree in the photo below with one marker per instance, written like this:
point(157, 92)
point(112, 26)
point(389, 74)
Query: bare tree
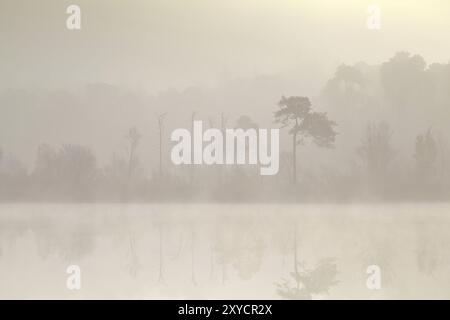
point(192, 168)
point(223, 122)
point(133, 136)
point(161, 118)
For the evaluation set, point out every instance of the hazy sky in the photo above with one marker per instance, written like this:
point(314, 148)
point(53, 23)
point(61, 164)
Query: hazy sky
point(155, 44)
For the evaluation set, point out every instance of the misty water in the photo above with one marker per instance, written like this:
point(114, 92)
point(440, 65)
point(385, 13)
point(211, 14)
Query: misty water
point(211, 251)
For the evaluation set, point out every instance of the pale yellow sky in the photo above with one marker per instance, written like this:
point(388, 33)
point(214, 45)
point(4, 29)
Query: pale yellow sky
point(155, 44)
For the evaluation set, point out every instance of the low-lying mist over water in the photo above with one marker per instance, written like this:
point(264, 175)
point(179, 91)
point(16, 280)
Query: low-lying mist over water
point(241, 149)
point(208, 251)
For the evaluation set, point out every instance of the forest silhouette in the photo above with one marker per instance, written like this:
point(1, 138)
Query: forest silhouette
point(384, 129)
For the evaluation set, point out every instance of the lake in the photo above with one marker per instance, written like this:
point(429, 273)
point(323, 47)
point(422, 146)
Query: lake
point(224, 251)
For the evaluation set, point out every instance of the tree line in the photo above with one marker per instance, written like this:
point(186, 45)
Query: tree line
point(387, 120)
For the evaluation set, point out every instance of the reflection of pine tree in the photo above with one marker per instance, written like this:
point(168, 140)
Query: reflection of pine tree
point(308, 282)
